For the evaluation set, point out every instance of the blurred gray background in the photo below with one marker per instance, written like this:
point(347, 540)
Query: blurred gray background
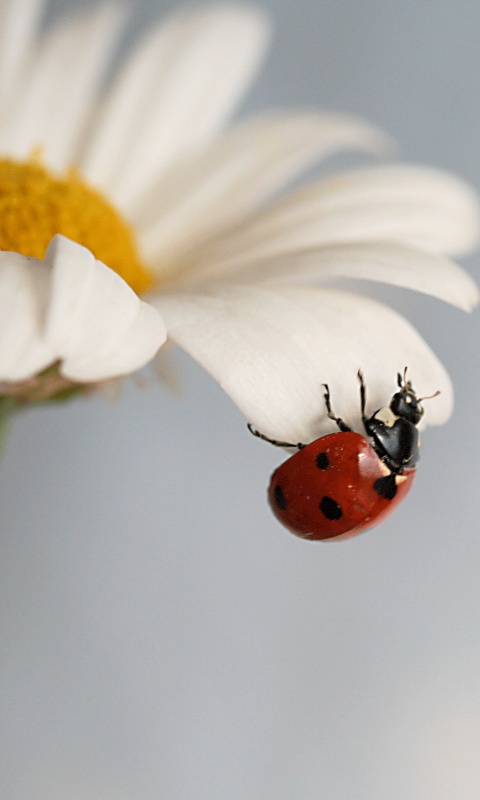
point(163, 638)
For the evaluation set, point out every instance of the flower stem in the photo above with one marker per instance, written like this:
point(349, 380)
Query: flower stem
point(7, 407)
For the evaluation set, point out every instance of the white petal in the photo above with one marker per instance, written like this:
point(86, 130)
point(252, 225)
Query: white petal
point(176, 91)
point(95, 323)
point(384, 262)
point(24, 291)
point(417, 206)
point(54, 104)
point(18, 25)
point(204, 194)
point(272, 348)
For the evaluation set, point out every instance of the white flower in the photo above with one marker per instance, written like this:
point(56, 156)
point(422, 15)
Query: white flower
point(231, 270)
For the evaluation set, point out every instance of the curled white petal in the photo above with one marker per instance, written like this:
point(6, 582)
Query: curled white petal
point(24, 291)
point(385, 262)
point(415, 206)
point(271, 348)
point(95, 323)
point(175, 92)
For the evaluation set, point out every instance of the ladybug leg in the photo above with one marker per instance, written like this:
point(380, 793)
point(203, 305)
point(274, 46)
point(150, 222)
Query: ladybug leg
point(367, 423)
point(341, 424)
point(253, 430)
point(363, 398)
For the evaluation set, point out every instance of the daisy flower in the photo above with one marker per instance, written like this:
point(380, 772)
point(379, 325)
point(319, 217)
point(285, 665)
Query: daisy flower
point(138, 187)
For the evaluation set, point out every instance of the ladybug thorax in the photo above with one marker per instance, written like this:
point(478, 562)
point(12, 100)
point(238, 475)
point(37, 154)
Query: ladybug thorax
point(395, 437)
point(385, 416)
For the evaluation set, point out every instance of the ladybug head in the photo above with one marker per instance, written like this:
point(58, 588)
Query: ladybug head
point(405, 403)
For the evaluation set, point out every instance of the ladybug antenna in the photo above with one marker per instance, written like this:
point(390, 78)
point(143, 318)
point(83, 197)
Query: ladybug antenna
point(402, 381)
point(430, 396)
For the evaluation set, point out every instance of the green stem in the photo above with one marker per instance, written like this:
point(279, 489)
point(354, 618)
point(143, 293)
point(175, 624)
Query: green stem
point(7, 407)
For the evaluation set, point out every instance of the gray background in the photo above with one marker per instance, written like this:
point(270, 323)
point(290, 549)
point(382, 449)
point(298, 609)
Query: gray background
point(163, 638)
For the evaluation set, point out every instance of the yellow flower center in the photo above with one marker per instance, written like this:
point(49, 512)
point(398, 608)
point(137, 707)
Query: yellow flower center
point(35, 205)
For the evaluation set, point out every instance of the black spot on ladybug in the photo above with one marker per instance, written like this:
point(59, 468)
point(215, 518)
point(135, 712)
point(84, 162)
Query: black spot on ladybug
point(330, 509)
point(280, 498)
point(322, 461)
point(386, 487)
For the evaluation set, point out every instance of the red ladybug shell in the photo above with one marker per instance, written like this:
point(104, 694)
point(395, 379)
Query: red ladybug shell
point(327, 488)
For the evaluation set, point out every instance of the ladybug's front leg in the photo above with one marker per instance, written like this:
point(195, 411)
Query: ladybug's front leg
point(341, 424)
point(363, 399)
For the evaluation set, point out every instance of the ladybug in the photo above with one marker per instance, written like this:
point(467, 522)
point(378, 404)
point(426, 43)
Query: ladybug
point(343, 483)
